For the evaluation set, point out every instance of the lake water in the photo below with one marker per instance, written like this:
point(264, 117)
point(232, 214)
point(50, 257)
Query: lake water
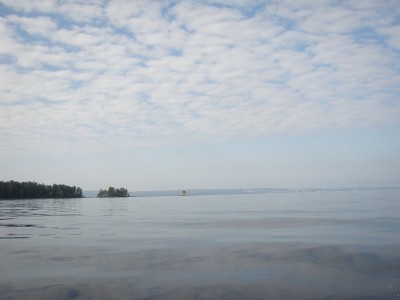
point(310, 245)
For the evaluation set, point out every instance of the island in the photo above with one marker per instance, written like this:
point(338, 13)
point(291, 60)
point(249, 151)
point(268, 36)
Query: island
point(33, 190)
point(113, 192)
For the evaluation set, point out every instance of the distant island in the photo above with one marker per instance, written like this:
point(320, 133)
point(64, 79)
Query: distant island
point(113, 192)
point(33, 190)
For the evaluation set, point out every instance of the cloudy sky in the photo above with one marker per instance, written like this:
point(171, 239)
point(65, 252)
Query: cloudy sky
point(200, 94)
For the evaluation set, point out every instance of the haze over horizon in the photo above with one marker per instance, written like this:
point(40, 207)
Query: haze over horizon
point(163, 95)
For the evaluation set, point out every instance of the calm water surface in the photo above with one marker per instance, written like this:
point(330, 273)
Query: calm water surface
point(326, 245)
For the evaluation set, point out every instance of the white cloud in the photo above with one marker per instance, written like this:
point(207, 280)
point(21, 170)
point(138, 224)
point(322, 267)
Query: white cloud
point(149, 72)
point(34, 26)
point(81, 11)
point(8, 45)
point(392, 33)
point(47, 6)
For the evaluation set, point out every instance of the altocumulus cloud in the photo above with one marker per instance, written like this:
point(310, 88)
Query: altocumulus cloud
point(77, 75)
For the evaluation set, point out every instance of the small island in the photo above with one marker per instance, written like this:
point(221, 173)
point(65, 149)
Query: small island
point(33, 190)
point(113, 192)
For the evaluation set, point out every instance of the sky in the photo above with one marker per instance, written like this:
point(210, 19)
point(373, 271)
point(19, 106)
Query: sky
point(153, 95)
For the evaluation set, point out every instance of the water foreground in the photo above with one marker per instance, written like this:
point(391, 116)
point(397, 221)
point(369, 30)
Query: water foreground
point(328, 245)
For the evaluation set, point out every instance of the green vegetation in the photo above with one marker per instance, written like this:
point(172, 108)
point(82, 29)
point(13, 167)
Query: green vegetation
point(30, 190)
point(113, 192)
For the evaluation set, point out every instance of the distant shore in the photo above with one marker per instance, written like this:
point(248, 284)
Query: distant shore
point(201, 192)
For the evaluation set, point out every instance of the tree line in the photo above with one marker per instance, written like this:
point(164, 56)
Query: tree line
point(28, 190)
point(113, 192)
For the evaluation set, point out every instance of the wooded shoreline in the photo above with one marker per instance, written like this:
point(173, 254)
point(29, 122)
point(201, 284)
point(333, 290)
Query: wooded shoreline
point(33, 190)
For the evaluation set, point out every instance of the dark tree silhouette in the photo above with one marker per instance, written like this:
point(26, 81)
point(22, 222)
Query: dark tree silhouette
point(31, 190)
point(113, 192)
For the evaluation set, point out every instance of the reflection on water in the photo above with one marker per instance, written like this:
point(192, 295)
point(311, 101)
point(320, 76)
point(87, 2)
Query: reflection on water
point(272, 246)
